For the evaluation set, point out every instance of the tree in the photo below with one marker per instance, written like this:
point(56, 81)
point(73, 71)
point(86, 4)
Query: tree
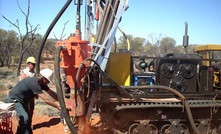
point(30, 32)
point(136, 44)
point(12, 42)
point(33, 49)
point(155, 43)
point(167, 45)
point(123, 42)
point(8, 43)
point(179, 49)
point(3, 36)
point(62, 33)
point(50, 46)
point(191, 48)
point(159, 45)
point(150, 50)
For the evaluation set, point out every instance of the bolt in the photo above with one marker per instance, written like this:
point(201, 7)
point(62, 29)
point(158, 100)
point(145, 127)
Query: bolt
point(159, 112)
point(168, 132)
point(204, 122)
point(145, 124)
point(182, 131)
point(175, 123)
point(136, 131)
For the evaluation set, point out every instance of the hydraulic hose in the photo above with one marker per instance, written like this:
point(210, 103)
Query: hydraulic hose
point(125, 36)
point(48, 32)
point(59, 90)
point(122, 90)
point(186, 105)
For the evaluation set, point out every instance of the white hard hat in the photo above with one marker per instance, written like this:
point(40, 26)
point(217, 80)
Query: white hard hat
point(47, 73)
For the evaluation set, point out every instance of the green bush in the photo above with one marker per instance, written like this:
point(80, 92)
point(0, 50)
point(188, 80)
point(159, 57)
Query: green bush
point(4, 71)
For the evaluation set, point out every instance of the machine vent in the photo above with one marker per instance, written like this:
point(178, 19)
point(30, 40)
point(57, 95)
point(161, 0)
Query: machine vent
point(169, 70)
point(187, 70)
point(178, 83)
point(143, 82)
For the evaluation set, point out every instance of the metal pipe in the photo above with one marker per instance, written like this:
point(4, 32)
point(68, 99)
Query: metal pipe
point(112, 17)
point(102, 23)
point(101, 31)
point(78, 17)
point(186, 38)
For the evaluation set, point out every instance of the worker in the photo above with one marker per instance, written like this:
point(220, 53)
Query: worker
point(29, 71)
point(26, 90)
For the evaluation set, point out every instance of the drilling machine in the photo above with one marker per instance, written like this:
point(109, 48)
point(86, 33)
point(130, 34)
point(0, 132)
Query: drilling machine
point(176, 97)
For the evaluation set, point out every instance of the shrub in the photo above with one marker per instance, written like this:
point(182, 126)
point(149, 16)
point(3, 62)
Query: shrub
point(48, 110)
point(2, 87)
point(44, 109)
point(3, 93)
point(5, 72)
point(3, 98)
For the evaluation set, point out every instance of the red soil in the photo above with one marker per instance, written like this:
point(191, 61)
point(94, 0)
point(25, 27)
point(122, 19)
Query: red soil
point(52, 125)
point(47, 125)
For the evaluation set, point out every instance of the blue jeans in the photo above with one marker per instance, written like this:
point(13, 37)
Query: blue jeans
point(24, 115)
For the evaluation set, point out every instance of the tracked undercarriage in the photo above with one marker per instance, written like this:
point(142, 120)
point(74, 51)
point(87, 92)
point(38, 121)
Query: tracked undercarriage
point(161, 116)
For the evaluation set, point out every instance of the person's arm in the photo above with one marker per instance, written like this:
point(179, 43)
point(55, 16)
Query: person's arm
point(22, 76)
point(48, 101)
point(52, 94)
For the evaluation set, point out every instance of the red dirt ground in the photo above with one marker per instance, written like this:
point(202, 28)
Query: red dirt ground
point(52, 125)
point(41, 125)
point(47, 125)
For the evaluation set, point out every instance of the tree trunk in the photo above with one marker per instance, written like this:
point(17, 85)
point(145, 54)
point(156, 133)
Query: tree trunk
point(2, 63)
point(19, 64)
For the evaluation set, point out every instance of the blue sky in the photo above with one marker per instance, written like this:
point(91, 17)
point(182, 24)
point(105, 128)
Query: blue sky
point(144, 17)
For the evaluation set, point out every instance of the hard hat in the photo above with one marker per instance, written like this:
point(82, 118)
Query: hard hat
point(31, 59)
point(47, 73)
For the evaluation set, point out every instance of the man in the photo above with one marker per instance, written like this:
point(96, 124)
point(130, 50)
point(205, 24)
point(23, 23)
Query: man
point(24, 91)
point(29, 70)
point(27, 73)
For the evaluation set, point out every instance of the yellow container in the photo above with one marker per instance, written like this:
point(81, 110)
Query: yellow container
point(119, 68)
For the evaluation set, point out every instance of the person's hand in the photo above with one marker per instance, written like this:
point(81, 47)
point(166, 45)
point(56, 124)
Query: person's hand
point(58, 107)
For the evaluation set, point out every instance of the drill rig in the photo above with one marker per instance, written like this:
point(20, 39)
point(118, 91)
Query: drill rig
point(176, 97)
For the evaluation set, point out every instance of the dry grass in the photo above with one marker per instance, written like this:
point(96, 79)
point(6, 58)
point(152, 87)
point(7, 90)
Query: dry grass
point(44, 109)
point(8, 79)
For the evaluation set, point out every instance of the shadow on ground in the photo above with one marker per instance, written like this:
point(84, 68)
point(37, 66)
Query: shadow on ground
point(51, 122)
